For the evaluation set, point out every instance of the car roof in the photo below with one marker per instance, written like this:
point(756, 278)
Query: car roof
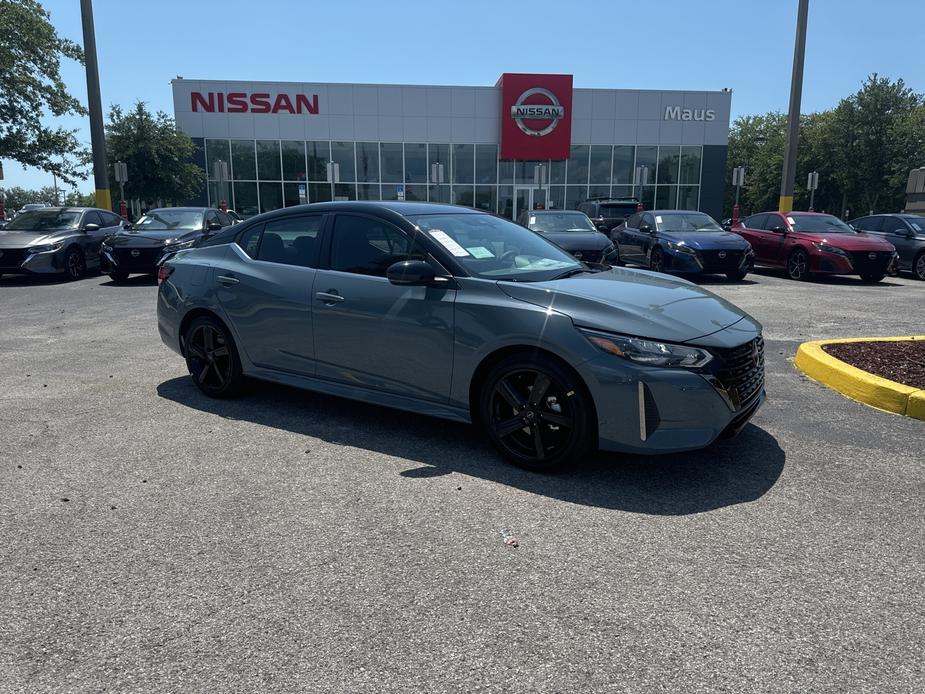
point(68, 209)
point(674, 211)
point(554, 211)
point(402, 208)
point(184, 209)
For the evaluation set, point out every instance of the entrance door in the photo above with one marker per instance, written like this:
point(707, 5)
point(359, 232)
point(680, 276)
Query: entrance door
point(528, 198)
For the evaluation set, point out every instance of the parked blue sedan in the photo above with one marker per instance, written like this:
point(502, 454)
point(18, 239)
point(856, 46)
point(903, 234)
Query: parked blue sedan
point(684, 242)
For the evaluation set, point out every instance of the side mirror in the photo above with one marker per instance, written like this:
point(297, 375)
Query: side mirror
point(645, 229)
point(214, 226)
point(91, 227)
point(779, 229)
point(411, 273)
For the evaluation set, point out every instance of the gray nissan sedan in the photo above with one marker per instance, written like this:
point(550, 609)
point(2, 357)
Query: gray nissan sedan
point(451, 312)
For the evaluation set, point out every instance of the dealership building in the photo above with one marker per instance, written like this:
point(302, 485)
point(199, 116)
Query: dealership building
point(529, 141)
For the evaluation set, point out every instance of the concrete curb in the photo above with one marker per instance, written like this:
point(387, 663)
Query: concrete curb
point(857, 384)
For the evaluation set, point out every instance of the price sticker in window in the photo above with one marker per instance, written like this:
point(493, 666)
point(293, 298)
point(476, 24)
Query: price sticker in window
point(448, 243)
point(480, 252)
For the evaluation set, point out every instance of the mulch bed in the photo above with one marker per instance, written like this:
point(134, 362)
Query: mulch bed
point(903, 362)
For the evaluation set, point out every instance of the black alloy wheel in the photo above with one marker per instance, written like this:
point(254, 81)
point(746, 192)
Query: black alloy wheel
point(657, 260)
point(798, 265)
point(536, 413)
point(212, 359)
point(74, 264)
point(118, 276)
point(918, 266)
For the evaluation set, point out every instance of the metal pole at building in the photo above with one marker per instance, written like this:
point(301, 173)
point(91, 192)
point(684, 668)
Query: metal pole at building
point(789, 174)
point(97, 141)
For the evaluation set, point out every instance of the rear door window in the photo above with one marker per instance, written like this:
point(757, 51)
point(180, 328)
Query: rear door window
point(291, 241)
point(93, 217)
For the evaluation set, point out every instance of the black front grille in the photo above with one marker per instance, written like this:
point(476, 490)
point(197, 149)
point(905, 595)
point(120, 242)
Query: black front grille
point(741, 370)
point(863, 263)
point(730, 260)
point(146, 257)
point(12, 257)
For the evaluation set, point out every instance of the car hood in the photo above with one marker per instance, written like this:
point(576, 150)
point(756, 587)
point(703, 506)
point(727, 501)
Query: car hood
point(706, 240)
point(848, 242)
point(149, 239)
point(577, 240)
point(636, 302)
point(23, 239)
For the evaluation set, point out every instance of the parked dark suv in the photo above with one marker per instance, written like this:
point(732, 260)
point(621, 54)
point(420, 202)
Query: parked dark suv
point(905, 231)
point(608, 213)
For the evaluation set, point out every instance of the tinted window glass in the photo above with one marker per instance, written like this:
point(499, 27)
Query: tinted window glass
point(648, 219)
point(292, 241)
point(92, 217)
point(633, 222)
point(250, 239)
point(41, 221)
point(892, 225)
point(223, 219)
point(368, 246)
point(756, 221)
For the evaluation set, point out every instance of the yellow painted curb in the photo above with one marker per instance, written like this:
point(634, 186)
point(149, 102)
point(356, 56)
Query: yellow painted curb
point(858, 384)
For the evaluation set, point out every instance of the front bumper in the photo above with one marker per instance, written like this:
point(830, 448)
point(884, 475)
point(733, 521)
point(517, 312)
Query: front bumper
point(131, 260)
point(19, 261)
point(857, 262)
point(710, 262)
point(654, 410)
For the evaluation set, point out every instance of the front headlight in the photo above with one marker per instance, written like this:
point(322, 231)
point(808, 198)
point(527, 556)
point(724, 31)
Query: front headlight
point(46, 247)
point(681, 247)
point(171, 247)
point(826, 248)
point(649, 352)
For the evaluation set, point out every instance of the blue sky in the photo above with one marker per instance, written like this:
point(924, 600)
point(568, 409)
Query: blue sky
point(745, 45)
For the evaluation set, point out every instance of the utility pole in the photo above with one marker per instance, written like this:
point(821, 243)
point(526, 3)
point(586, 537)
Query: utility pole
point(97, 140)
point(788, 177)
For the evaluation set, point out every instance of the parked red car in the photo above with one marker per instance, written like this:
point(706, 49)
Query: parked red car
point(808, 243)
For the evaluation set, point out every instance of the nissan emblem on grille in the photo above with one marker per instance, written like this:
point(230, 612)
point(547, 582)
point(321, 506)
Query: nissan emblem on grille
point(552, 112)
point(135, 253)
point(722, 254)
point(872, 256)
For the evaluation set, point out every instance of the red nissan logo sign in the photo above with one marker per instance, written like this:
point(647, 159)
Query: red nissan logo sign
point(536, 116)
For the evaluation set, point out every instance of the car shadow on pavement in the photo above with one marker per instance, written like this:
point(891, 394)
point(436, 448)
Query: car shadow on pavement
point(835, 280)
point(718, 279)
point(730, 472)
point(133, 281)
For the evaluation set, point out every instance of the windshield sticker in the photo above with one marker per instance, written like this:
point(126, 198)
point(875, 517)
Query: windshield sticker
point(791, 220)
point(480, 252)
point(532, 220)
point(444, 240)
point(658, 219)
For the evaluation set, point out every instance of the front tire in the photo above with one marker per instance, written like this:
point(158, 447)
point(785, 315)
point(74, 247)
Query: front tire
point(918, 266)
point(74, 264)
point(212, 358)
point(798, 265)
point(537, 413)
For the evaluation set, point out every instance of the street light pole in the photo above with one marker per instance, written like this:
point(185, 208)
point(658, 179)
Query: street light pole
point(788, 177)
point(97, 140)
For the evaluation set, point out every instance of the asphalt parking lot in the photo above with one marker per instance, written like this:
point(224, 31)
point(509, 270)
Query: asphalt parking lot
point(154, 540)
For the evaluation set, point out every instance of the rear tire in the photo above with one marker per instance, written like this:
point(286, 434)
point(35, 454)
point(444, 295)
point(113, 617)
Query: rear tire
point(873, 277)
point(918, 266)
point(212, 358)
point(118, 276)
point(798, 265)
point(657, 260)
point(537, 413)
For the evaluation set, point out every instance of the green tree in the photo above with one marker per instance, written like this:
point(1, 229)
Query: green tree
point(15, 197)
point(30, 63)
point(158, 156)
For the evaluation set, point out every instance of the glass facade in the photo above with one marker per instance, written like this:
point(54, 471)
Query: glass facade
point(263, 175)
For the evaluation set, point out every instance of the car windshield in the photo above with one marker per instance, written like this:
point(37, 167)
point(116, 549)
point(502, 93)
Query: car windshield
point(161, 220)
point(819, 222)
point(495, 248)
point(560, 221)
point(686, 221)
point(40, 221)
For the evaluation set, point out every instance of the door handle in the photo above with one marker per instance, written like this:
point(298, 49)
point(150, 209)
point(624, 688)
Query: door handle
point(329, 298)
point(227, 279)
